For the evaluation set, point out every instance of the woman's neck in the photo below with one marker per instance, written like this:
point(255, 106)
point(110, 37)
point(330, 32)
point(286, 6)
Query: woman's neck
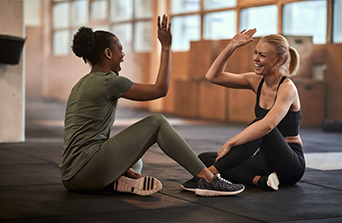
point(271, 80)
point(97, 68)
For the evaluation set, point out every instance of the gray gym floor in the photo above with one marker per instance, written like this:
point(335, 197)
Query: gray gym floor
point(31, 188)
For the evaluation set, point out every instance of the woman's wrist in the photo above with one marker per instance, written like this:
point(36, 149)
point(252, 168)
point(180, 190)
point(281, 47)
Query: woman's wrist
point(166, 48)
point(232, 44)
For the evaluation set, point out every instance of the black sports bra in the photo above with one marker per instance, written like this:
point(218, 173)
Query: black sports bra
point(289, 125)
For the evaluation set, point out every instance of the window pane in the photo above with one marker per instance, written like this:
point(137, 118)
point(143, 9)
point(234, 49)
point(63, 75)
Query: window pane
point(181, 6)
point(215, 4)
point(142, 36)
point(124, 33)
point(99, 10)
point(219, 25)
point(143, 8)
point(101, 27)
point(184, 30)
point(255, 18)
point(337, 29)
point(79, 12)
point(121, 10)
point(61, 15)
point(307, 18)
point(61, 42)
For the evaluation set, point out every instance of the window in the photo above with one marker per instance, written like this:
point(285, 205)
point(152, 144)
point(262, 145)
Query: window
point(308, 18)
point(67, 17)
point(219, 25)
point(192, 20)
point(132, 27)
point(337, 22)
point(61, 15)
point(61, 36)
point(143, 9)
point(99, 10)
point(184, 6)
point(124, 32)
point(79, 13)
point(216, 4)
point(185, 29)
point(61, 42)
point(218, 17)
point(133, 35)
point(121, 10)
point(143, 31)
point(264, 19)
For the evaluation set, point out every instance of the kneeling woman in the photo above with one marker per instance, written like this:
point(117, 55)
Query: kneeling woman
point(269, 151)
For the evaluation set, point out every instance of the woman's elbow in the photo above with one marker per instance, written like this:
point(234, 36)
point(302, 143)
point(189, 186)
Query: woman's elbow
point(209, 78)
point(269, 126)
point(162, 93)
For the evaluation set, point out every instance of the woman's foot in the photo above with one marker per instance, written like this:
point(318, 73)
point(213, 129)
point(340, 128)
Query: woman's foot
point(218, 187)
point(190, 185)
point(270, 181)
point(143, 186)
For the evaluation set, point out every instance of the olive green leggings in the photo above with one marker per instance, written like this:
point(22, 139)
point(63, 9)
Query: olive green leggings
point(121, 151)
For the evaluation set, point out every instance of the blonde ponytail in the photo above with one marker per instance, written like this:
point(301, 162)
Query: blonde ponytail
point(294, 61)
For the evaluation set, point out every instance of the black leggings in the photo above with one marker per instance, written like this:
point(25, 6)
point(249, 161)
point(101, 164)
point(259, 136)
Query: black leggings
point(260, 157)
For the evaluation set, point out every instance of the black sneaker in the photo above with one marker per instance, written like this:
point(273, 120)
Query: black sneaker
point(219, 187)
point(143, 186)
point(190, 185)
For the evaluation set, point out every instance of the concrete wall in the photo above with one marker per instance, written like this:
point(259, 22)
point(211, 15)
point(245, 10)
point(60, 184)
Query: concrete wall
point(12, 77)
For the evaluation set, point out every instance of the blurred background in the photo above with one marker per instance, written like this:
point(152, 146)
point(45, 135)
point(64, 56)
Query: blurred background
point(200, 28)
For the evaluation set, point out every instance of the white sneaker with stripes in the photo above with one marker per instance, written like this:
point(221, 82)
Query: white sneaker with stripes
point(143, 186)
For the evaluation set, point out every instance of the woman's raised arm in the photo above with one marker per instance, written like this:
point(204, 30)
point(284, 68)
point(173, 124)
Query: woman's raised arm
point(146, 92)
point(216, 72)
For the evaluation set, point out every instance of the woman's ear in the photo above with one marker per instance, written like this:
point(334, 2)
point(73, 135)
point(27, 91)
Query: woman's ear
point(108, 53)
point(280, 61)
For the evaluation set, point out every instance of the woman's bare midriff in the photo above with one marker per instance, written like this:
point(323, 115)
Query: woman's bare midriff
point(294, 139)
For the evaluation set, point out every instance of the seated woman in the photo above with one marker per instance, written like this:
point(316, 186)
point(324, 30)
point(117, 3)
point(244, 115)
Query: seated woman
point(91, 159)
point(269, 151)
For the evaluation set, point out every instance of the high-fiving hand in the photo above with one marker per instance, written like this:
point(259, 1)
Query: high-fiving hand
point(164, 32)
point(243, 37)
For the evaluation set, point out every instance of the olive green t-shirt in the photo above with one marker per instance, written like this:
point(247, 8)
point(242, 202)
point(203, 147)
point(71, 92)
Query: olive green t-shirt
point(89, 117)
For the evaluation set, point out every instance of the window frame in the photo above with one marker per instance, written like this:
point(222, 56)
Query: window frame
point(95, 23)
point(240, 5)
point(244, 4)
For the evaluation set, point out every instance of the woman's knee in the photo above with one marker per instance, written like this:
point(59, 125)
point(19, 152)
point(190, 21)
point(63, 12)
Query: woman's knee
point(70, 186)
point(208, 158)
point(158, 118)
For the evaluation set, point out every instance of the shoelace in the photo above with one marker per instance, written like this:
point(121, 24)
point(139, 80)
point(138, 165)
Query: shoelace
point(222, 179)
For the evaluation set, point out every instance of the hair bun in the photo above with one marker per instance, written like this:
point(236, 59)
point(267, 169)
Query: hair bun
point(83, 42)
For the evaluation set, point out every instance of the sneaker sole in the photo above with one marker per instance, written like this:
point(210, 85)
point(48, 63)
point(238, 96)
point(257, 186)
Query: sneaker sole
point(273, 181)
point(188, 189)
point(143, 186)
point(211, 193)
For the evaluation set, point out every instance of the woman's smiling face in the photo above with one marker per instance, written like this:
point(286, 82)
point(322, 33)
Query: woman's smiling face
point(117, 55)
point(265, 58)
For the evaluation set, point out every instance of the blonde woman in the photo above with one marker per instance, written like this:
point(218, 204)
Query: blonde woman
point(269, 151)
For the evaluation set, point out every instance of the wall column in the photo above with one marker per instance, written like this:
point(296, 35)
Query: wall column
point(12, 77)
